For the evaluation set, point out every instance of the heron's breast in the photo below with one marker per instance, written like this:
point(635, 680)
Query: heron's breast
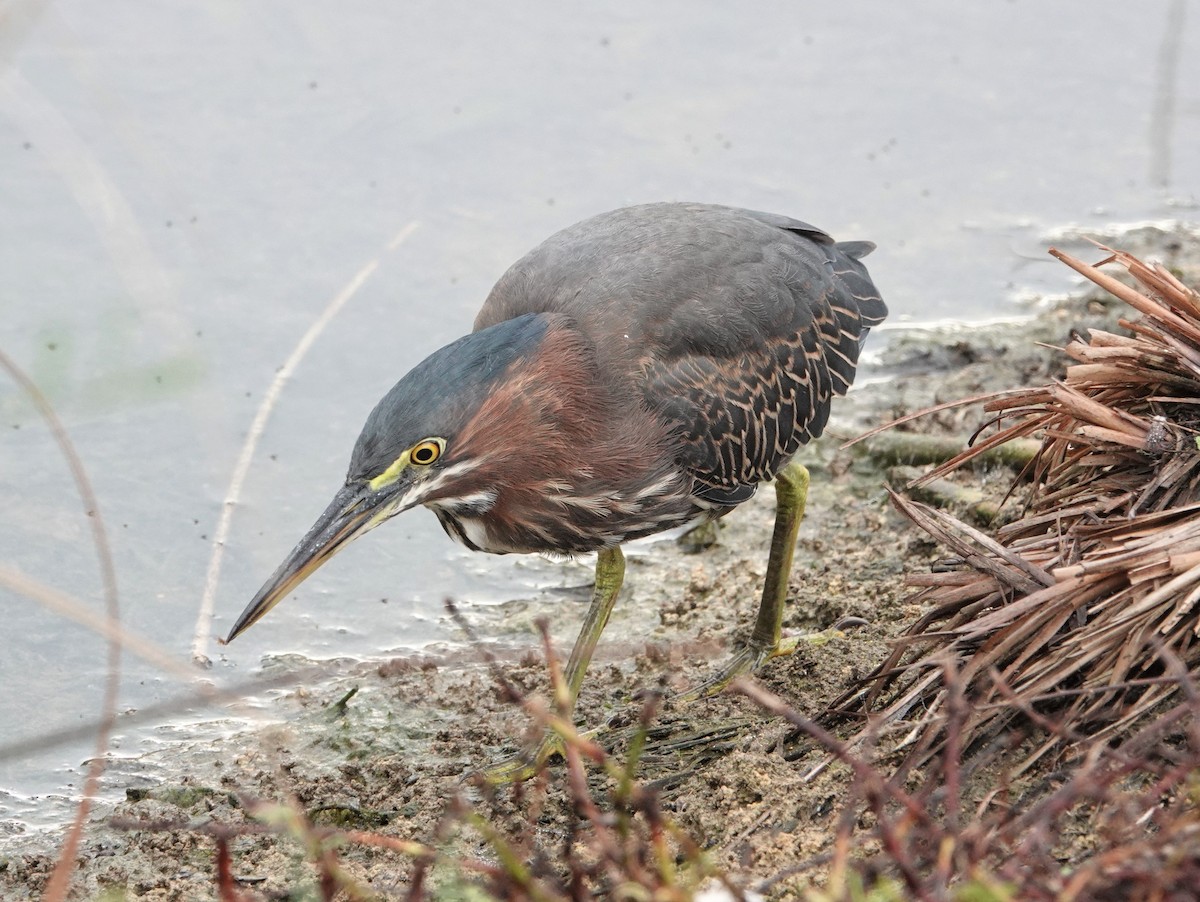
point(473, 532)
point(561, 519)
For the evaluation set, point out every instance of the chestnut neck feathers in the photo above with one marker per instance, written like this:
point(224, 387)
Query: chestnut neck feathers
point(563, 458)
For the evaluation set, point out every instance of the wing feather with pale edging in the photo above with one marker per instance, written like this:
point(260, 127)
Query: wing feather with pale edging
point(737, 327)
point(740, 416)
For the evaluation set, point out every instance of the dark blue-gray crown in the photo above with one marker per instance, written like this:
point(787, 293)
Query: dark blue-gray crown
point(438, 396)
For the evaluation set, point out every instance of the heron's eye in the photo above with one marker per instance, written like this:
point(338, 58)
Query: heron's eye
point(425, 453)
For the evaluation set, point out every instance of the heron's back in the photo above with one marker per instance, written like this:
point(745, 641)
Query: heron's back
point(737, 326)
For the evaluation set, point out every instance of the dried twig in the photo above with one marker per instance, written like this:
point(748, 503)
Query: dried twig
point(200, 634)
point(60, 880)
point(1099, 581)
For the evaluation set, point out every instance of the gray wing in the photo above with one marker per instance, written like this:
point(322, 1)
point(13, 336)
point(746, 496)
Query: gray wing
point(740, 326)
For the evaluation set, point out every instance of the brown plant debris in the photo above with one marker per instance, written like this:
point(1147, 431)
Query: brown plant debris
point(1085, 611)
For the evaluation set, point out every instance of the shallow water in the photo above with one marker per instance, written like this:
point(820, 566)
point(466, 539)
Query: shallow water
point(184, 188)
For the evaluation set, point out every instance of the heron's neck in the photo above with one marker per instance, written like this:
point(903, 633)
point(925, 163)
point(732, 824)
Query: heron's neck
point(574, 461)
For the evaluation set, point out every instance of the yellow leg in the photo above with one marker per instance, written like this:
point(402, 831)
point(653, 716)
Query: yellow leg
point(791, 492)
point(610, 573)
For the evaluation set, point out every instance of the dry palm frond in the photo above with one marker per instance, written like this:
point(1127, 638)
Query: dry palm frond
point(1083, 612)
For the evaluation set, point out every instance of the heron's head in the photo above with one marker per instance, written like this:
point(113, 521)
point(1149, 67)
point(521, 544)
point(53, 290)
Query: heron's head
point(423, 444)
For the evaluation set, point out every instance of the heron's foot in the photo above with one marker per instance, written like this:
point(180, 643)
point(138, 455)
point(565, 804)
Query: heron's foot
point(700, 537)
point(523, 765)
point(748, 659)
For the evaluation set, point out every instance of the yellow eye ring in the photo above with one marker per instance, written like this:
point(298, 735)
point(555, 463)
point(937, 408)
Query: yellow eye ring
point(424, 453)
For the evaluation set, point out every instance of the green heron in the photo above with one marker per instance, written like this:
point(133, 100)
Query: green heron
point(638, 371)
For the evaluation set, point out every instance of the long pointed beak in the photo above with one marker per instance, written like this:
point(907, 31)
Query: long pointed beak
point(351, 513)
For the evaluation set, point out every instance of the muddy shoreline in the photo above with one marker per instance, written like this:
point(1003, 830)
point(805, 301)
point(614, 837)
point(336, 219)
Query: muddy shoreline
point(389, 757)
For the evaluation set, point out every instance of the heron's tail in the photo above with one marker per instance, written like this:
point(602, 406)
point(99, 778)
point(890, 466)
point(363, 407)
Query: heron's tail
point(856, 250)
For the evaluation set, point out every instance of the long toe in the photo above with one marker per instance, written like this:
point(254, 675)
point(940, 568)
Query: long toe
point(745, 660)
point(523, 765)
point(748, 659)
